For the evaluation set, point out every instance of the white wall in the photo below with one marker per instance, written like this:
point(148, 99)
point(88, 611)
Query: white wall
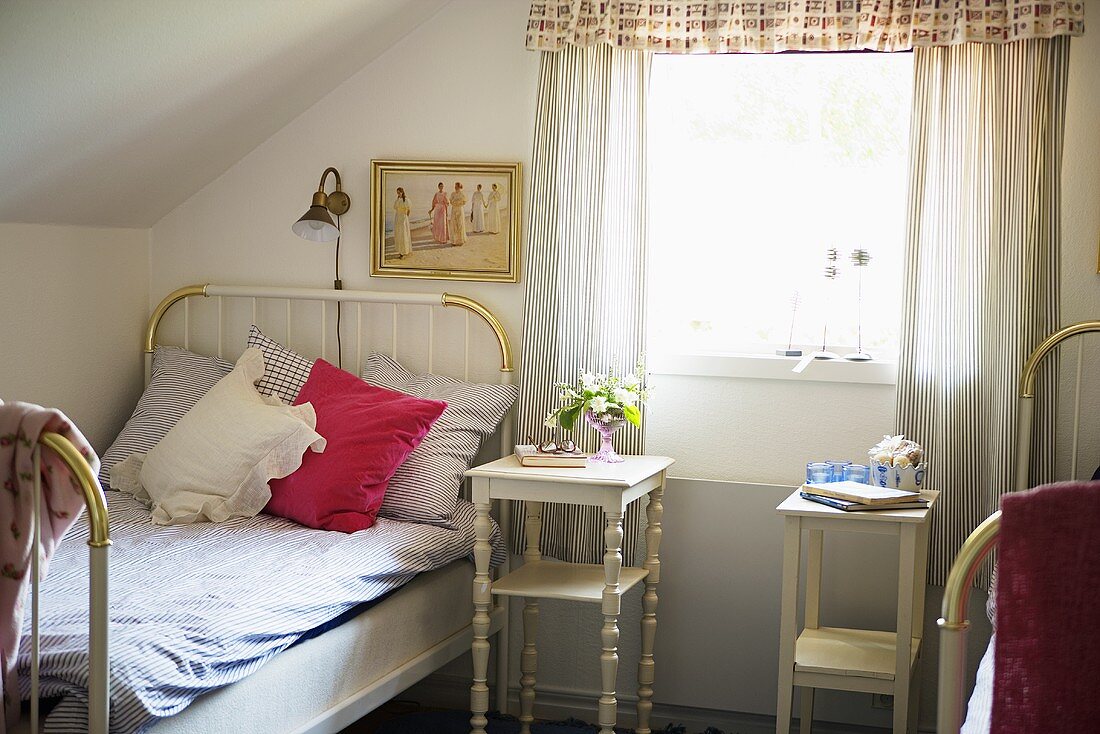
point(462, 87)
point(74, 302)
point(1080, 241)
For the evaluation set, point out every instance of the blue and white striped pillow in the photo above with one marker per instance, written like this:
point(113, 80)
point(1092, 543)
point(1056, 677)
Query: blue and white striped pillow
point(178, 380)
point(425, 488)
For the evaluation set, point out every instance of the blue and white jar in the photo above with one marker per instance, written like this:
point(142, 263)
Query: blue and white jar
point(894, 477)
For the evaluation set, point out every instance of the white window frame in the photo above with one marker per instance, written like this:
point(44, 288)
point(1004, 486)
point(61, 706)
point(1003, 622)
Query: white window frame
point(749, 365)
point(773, 367)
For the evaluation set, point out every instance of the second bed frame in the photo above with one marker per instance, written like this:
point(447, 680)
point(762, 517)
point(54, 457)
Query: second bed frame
point(954, 624)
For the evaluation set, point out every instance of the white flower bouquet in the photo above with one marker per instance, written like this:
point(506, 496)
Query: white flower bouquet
point(609, 397)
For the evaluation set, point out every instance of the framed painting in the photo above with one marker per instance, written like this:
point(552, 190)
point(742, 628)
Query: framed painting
point(445, 220)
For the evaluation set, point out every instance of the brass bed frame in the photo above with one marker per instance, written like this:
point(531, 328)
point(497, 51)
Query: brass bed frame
point(366, 699)
point(954, 624)
point(99, 546)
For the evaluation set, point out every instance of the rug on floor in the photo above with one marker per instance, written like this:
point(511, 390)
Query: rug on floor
point(458, 722)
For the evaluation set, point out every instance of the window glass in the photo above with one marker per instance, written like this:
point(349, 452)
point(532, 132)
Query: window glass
point(759, 165)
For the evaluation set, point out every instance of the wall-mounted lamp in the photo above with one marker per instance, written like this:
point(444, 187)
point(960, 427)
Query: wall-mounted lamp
point(316, 224)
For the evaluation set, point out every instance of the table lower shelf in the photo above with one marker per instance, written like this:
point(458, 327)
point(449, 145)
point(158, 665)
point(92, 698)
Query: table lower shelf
point(849, 653)
point(573, 581)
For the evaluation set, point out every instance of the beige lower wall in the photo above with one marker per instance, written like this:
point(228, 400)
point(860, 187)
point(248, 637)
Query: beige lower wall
point(756, 430)
point(73, 302)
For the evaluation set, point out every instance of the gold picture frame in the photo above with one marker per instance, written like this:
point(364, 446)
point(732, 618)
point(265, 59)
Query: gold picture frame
point(422, 238)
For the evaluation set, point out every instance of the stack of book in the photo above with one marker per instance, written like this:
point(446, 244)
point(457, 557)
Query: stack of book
point(856, 497)
point(529, 455)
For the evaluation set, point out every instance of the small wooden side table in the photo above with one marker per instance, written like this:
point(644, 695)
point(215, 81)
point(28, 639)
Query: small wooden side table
point(850, 659)
point(610, 486)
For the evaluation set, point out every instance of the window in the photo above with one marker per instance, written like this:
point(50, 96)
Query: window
point(758, 165)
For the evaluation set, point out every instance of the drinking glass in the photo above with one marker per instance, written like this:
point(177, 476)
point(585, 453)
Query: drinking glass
point(818, 472)
point(857, 473)
point(838, 469)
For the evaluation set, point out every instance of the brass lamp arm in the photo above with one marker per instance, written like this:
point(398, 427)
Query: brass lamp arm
point(324, 176)
point(337, 202)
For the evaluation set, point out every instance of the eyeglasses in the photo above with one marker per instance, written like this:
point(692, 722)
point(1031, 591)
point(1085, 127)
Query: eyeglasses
point(566, 446)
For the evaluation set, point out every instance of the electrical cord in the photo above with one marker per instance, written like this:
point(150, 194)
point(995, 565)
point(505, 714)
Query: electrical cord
point(338, 286)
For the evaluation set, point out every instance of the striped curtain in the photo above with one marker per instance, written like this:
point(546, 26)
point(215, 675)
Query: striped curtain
point(982, 270)
point(585, 262)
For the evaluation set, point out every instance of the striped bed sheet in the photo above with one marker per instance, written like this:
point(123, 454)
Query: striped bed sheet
point(197, 607)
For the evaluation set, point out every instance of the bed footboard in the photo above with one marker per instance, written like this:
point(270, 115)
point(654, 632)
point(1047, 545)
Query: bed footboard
point(954, 624)
point(99, 543)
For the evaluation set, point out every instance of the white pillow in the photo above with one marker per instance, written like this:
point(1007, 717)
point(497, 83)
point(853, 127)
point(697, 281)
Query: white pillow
point(216, 462)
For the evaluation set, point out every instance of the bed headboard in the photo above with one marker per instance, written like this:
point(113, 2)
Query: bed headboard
point(404, 325)
point(1027, 397)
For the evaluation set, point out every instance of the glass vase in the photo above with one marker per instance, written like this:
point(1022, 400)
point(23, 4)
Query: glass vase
point(606, 427)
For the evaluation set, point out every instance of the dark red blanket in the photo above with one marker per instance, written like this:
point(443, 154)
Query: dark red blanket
point(1047, 654)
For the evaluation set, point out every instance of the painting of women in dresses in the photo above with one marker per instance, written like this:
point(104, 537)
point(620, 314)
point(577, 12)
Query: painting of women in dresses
point(458, 216)
point(402, 237)
point(492, 219)
point(445, 220)
point(477, 210)
point(438, 213)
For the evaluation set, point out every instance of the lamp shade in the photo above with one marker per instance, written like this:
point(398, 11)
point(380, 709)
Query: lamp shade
point(316, 225)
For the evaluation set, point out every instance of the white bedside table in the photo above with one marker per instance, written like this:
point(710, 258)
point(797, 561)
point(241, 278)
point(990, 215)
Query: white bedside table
point(610, 486)
point(850, 659)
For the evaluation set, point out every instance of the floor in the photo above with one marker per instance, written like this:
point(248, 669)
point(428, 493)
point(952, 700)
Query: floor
point(385, 720)
point(394, 709)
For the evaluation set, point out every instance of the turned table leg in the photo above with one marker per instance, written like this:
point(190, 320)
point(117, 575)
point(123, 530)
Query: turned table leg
point(479, 691)
point(654, 511)
point(528, 664)
point(529, 658)
point(609, 659)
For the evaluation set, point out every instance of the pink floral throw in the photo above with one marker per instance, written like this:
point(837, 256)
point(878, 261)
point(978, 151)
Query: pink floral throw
point(21, 424)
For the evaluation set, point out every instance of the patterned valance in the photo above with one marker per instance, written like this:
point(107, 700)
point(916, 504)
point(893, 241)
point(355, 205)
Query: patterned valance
point(728, 26)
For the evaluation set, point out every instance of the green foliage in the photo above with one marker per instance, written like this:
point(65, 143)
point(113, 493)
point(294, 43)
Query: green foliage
point(608, 396)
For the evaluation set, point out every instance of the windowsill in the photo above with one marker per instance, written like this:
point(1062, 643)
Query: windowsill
point(773, 367)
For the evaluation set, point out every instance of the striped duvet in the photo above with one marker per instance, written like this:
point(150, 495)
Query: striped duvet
point(197, 607)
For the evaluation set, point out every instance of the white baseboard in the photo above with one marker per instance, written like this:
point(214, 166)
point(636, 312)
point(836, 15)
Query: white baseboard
point(554, 703)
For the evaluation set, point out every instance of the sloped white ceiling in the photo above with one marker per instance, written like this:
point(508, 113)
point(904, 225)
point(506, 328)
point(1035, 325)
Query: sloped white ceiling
point(114, 112)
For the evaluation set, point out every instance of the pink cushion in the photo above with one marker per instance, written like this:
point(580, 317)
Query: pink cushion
point(370, 431)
